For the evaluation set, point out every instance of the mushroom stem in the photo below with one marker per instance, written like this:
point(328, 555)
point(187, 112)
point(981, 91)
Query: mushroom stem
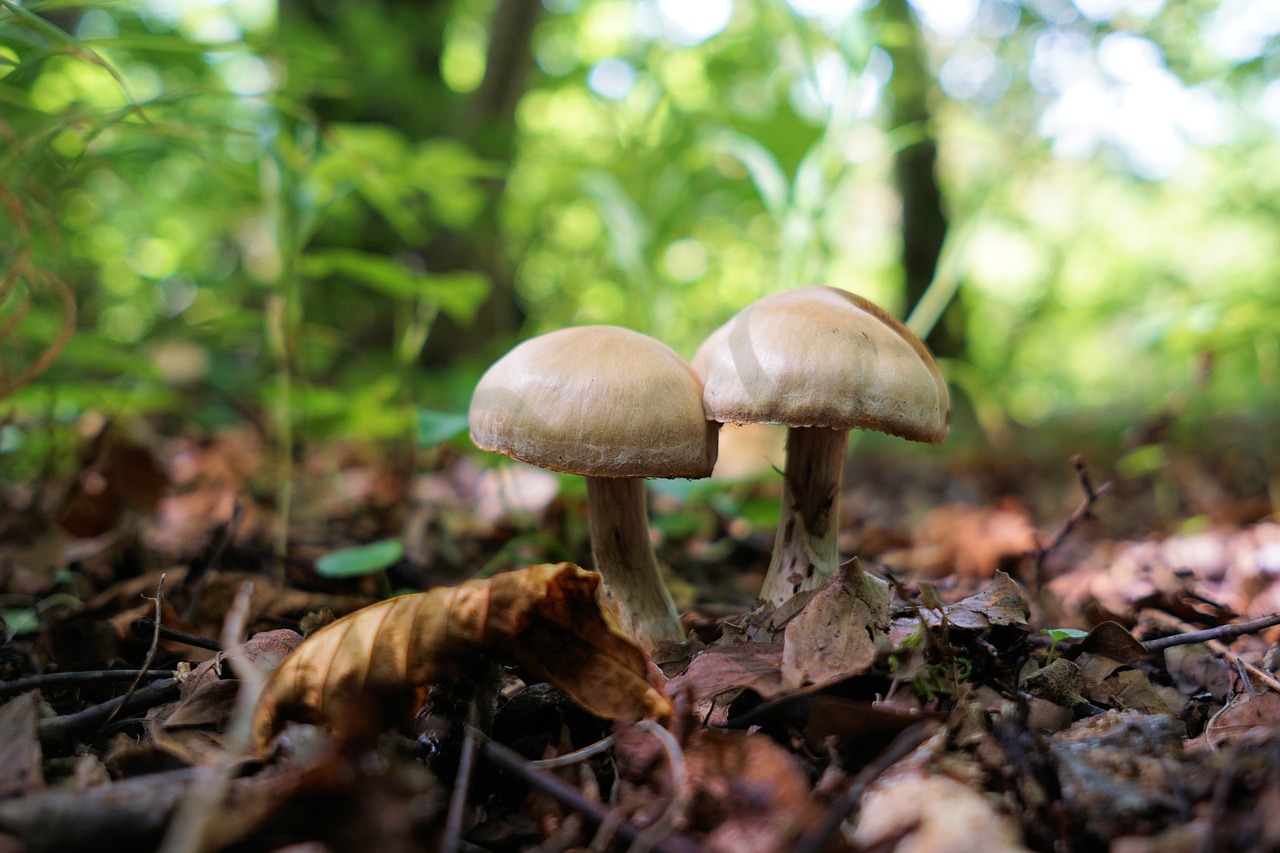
point(805, 549)
point(624, 558)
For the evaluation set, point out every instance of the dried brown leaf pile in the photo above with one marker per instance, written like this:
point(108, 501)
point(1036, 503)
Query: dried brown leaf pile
point(964, 720)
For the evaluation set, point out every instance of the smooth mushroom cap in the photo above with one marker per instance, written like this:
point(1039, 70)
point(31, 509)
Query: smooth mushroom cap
point(599, 401)
point(822, 357)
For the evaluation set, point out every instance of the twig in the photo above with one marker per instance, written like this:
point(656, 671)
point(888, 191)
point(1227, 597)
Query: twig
point(602, 841)
point(572, 798)
point(1225, 633)
point(151, 652)
point(74, 679)
point(193, 821)
point(61, 728)
point(450, 843)
point(578, 755)
point(1243, 674)
point(1208, 726)
point(1083, 511)
point(124, 815)
point(148, 624)
point(843, 806)
point(682, 791)
point(1215, 646)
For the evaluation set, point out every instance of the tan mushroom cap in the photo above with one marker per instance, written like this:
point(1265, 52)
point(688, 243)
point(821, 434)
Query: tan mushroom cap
point(822, 357)
point(598, 401)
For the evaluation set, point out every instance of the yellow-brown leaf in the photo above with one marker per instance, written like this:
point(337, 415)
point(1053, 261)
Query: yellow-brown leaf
point(543, 618)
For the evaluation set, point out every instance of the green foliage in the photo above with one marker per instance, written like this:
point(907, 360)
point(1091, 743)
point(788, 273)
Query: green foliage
point(457, 294)
point(360, 560)
point(18, 623)
point(252, 209)
point(438, 427)
point(1057, 635)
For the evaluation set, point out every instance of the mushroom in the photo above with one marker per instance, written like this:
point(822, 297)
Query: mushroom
point(820, 361)
point(614, 406)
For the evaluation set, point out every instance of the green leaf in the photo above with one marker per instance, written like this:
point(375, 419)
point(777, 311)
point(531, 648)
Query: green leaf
point(762, 166)
point(20, 622)
point(438, 427)
point(1057, 635)
point(625, 223)
point(458, 294)
point(361, 560)
point(1142, 461)
point(812, 186)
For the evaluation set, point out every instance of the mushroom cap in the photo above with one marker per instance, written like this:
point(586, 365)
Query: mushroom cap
point(599, 401)
point(823, 357)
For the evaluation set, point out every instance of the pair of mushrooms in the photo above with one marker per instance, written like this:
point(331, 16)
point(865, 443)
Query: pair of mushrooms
point(617, 406)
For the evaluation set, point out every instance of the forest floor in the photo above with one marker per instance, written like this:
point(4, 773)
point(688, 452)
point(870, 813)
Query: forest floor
point(1074, 661)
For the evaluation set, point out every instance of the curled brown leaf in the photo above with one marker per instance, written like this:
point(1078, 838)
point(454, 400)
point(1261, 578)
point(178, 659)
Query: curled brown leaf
point(544, 618)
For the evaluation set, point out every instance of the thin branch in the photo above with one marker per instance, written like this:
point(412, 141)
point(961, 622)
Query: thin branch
point(1225, 633)
point(682, 792)
point(146, 625)
point(1083, 511)
point(61, 728)
point(151, 652)
point(1217, 647)
point(451, 842)
point(843, 806)
point(570, 797)
point(75, 679)
point(578, 755)
point(190, 828)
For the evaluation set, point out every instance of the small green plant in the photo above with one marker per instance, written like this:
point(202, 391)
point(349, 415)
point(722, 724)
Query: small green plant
point(362, 560)
point(1057, 635)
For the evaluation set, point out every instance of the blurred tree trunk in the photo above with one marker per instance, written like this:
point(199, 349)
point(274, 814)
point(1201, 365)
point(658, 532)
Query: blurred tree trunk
point(398, 45)
point(488, 124)
point(924, 221)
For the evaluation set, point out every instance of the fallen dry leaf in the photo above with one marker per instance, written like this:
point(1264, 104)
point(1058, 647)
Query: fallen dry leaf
point(1195, 669)
point(852, 719)
point(1235, 569)
point(1114, 641)
point(723, 672)
point(264, 650)
point(971, 541)
point(756, 784)
point(999, 603)
point(839, 631)
point(746, 791)
point(1248, 717)
point(121, 476)
point(544, 618)
point(20, 755)
point(189, 729)
point(1128, 690)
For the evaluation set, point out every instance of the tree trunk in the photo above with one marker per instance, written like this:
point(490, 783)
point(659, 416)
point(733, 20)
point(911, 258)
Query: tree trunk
point(488, 125)
point(924, 220)
point(413, 97)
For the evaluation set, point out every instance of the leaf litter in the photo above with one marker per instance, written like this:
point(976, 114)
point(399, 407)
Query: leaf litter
point(965, 719)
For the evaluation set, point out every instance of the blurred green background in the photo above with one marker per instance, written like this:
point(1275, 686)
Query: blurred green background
point(324, 216)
